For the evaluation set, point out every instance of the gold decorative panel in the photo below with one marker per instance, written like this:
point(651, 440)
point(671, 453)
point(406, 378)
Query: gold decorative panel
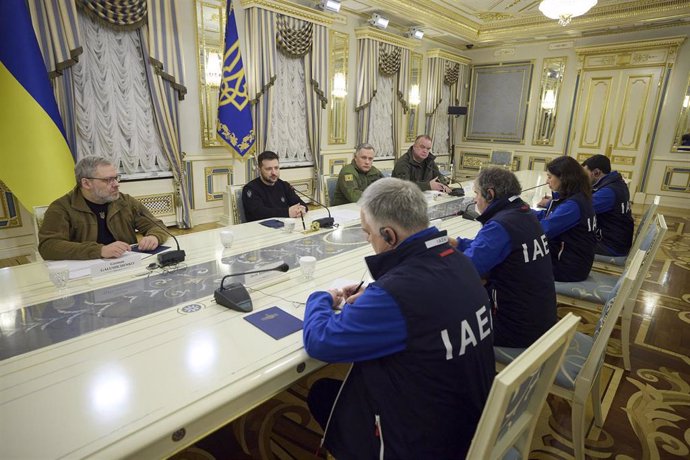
point(159, 205)
point(473, 160)
point(216, 180)
point(210, 29)
point(335, 164)
point(676, 180)
point(623, 160)
point(551, 79)
point(636, 94)
point(626, 174)
point(412, 117)
point(681, 140)
point(337, 109)
point(10, 216)
point(538, 163)
point(595, 112)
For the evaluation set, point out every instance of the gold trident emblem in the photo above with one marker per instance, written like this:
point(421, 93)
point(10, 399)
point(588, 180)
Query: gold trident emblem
point(232, 89)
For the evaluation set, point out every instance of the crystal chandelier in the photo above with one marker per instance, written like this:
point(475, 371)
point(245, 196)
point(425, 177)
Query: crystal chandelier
point(565, 10)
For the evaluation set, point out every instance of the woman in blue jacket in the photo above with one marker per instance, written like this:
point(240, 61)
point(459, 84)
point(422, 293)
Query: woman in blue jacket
point(569, 221)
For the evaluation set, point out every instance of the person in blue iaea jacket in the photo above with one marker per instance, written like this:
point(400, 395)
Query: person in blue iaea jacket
point(512, 255)
point(569, 221)
point(419, 338)
point(611, 202)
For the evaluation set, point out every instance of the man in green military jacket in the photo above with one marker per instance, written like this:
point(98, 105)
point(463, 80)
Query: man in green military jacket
point(418, 165)
point(356, 176)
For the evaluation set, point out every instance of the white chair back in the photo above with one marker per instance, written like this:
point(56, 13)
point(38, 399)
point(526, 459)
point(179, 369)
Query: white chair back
point(518, 394)
point(238, 215)
point(329, 185)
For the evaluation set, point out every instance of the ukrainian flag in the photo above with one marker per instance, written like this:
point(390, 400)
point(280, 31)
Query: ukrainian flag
point(234, 127)
point(35, 160)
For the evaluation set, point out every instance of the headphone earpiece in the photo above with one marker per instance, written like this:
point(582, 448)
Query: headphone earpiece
point(386, 237)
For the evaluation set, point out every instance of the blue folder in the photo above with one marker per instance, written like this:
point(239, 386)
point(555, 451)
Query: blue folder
point(275, 322)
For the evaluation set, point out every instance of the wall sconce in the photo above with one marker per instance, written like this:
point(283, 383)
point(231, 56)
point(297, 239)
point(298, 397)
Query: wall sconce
point(378, 21)
point(686, 102)
point(339, 85)
point(415, 32)
point(214, 69)
point(549, 102)
point(330, 5)
point(414, 95)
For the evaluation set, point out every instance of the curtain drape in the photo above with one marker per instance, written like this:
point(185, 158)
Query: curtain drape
point(57, 32)
point(375, 56)
point(161, 44)
point(444, 87)
point(113, 110)
point(268, 31)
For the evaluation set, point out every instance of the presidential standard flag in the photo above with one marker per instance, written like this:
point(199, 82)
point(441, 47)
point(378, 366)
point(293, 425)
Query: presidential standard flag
point(235, 127)
point(35, 160)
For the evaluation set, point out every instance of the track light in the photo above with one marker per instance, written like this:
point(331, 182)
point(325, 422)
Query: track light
point(378, 21)
point(330, 5)
point(415, 32)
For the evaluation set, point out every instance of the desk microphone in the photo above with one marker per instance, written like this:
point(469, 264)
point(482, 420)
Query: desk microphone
point(235, 296)
point(171, 257)
point(467, 214)
point(324, 222)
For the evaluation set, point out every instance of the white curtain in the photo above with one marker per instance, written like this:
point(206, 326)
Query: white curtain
point(113, 110)
point(440, 136)
point(287, 127)
point(381, 119)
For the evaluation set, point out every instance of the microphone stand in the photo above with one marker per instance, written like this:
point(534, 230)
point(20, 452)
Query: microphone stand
point(172, 257)
point(235, 297)
point(324, 222)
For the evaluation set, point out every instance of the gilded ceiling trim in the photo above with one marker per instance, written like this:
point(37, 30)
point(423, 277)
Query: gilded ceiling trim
point(612, 15)
point(291, 9)
point(636, 45)
point(443, 54)
point(386, 37)
point(443, 19)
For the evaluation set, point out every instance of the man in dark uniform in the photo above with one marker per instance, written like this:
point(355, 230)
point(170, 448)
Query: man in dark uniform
point(356, 176)
point(512, 254)
point(611, 202)
point(418, 165)
point(419, 338)
point(269, 196)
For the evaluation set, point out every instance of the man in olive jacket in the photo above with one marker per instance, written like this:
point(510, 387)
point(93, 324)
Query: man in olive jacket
point(95, 220)
point(356, 176)
point(418, 165)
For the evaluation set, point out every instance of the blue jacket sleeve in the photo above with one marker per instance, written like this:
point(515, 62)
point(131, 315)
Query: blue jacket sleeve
point(603, 200)
point(372, 327)
point(563, 218)
point(489, 248)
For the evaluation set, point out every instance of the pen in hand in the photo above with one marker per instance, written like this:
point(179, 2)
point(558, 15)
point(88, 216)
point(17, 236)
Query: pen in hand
point(361, 283)
point(304, 227)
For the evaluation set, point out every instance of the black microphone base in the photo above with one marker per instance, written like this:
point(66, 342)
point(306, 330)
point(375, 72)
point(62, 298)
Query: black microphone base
point(325, 222)
point(171, 257)
point(235, 297)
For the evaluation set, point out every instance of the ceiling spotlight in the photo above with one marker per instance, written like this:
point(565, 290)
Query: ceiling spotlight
point(415, 32)
point(378, 21)
point(330, 5)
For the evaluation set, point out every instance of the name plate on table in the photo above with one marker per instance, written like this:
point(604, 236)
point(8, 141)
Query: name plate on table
point(108, 266)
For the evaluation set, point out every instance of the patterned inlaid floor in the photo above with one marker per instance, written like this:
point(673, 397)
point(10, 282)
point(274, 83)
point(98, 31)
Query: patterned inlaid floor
point(647, 410)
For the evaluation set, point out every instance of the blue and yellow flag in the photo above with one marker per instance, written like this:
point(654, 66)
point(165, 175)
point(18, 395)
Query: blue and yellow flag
point(35, 160)
point(235, 127)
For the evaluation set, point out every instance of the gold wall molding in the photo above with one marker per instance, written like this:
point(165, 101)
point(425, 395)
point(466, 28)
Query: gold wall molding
point(671, 184)
point(386, 37)
point(10, 215)
point(291, 9)
point(637, 53)
point(448, 56)
point(209, 173)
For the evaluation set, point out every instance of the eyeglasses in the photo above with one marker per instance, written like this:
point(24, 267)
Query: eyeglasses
point(109, 180)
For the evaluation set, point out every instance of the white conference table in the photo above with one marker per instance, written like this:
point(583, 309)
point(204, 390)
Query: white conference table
point(148, 386)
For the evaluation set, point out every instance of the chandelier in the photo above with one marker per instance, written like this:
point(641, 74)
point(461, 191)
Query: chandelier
point(565, 10)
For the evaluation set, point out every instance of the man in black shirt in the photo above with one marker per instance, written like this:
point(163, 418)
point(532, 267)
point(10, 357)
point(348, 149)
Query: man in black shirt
point(268, 196)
